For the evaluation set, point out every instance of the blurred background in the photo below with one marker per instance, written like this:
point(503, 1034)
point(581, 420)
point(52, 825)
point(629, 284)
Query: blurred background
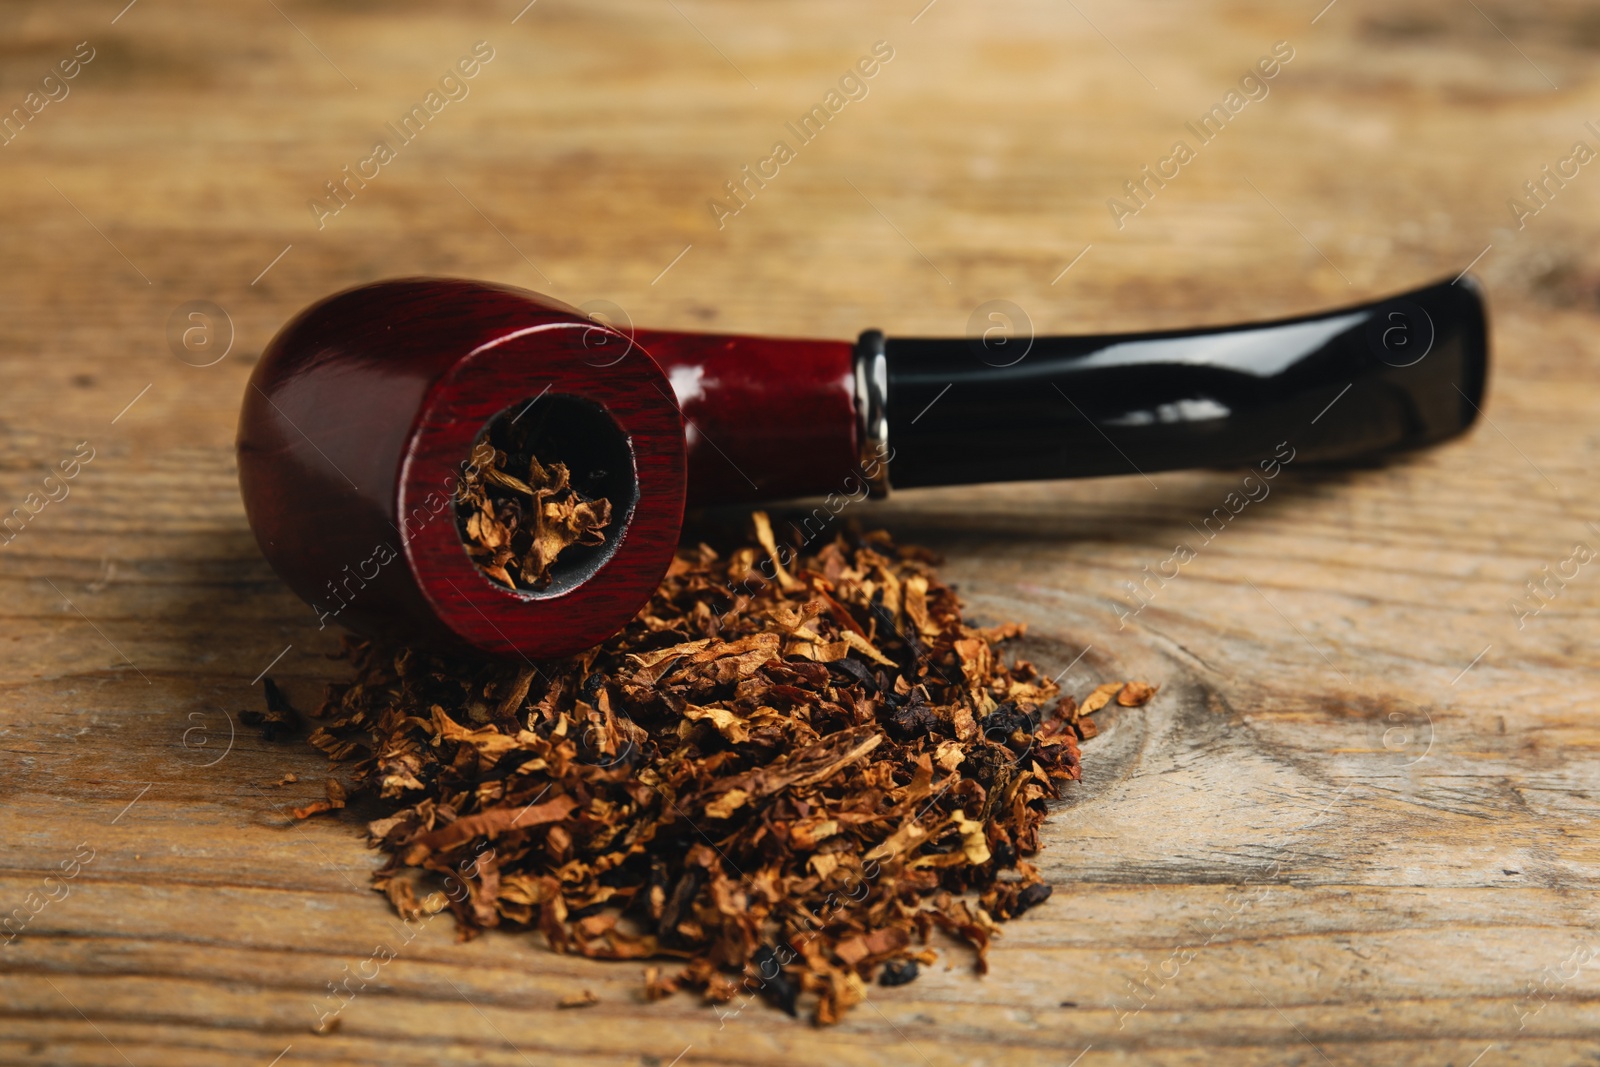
point(180, 178)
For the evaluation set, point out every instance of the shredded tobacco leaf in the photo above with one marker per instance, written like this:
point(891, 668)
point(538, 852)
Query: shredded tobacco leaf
point(786, 772)
point(516, 515)
point(280, 721)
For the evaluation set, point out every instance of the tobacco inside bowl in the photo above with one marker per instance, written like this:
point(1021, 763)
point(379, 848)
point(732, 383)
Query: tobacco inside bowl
point(546, 495)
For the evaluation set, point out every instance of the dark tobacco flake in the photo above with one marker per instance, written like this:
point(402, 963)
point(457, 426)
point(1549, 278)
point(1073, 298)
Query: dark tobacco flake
point(780, 988)
point(280, 721)
point(898, 972)
point(785, 772)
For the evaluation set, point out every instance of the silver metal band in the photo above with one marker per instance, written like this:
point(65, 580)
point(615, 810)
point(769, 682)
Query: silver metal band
point(872, 421)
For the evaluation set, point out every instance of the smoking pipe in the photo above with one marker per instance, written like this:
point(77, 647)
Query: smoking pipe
point(361, 415)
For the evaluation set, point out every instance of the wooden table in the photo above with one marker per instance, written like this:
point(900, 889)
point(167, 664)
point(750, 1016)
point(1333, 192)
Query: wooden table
point(1355, 826)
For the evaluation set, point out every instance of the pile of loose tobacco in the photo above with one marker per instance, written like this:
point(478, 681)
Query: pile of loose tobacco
point(786, 772)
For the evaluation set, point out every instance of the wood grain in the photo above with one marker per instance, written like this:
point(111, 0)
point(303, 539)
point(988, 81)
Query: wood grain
point(1354, 828)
